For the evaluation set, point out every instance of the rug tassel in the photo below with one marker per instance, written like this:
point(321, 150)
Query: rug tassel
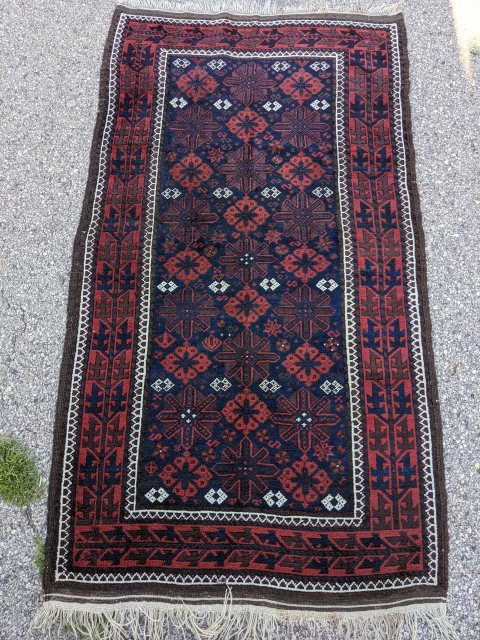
point(157, 621)
point(264, 7)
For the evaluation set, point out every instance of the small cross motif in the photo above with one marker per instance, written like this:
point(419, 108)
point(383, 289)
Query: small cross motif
point(188, 416)
point(304, 419)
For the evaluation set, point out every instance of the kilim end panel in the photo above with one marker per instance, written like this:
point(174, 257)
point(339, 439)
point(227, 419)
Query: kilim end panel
point(247, 396)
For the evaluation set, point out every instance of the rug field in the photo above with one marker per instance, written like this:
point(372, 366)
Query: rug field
point(247, 431)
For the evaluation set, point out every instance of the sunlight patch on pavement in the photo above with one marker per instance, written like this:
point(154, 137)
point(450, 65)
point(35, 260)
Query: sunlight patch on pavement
point(466, 16)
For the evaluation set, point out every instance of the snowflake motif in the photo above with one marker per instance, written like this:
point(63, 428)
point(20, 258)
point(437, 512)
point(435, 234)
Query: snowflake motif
point(307, 364)
point(246, 411)
point(247, 306)
point(196, 83)
point(186, 362)
point(187, 265)
point(245, 215)
point(185, 476)
point(301, 171)
point(190, 172)
point(249, 83)
point(305, 481)
point(304, 263)
point(194, 127)
point(247, 124)
point(301, 86)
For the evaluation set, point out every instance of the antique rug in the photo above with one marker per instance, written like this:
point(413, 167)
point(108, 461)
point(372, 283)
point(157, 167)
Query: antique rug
point(248, 433)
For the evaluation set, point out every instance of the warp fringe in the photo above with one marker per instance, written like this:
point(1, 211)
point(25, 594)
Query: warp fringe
point(159, 621)
point(267, 7)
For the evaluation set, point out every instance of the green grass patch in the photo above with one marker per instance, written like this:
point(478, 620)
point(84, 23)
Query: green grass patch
point(20, 485)
point(19, 475)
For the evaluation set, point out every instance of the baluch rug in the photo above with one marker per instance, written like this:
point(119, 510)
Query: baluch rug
point(248, 432)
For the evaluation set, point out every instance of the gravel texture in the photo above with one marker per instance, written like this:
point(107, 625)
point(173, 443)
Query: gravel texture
point(50, 60)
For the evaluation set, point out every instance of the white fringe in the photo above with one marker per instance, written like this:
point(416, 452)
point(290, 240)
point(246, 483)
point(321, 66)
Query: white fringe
point(159, 621)
point(267, 7)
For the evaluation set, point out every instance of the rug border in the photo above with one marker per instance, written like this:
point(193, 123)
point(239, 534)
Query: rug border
point(380, 599)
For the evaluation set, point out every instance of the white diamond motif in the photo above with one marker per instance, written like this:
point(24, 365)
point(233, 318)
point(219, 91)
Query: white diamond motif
point(167, 286)
point(171, 193)
point(322, 191)
point(220, 385)
point(219, 287)
point(269, 385)
point(181, 62)
point(178, 102)
point(280, 65)
point(163, 385)
point(274, 499)
point(156, 495)
point(216, 64)
point(328, 502)
point(271, 284)
point(316, 104)
point(331, 387)
point(272, 106)
point(323, 285)
point(222, 104)
point(222, 193)
point(270, 192)
point(319, 65)
point(216, 496)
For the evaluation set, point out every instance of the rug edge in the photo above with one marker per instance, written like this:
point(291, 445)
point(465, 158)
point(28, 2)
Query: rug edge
point(153, 621)
point(263, 7)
